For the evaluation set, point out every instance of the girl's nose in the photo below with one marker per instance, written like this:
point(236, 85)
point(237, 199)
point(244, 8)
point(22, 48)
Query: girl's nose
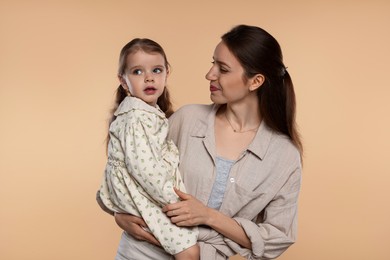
point(149, 77)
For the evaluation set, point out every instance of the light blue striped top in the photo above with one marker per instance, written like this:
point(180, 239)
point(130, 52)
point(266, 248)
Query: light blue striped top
point(223, 167)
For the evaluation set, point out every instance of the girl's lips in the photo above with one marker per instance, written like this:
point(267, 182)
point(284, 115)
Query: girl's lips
point(150, 90)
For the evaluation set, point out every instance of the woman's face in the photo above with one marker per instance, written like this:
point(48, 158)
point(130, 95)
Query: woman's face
point(226, 77)
point(145, 76)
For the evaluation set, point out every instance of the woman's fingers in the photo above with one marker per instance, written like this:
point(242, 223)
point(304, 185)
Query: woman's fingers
point(125, 221)
point(182, 195)
point(172, 209)
point(135, 226)
point(149, 238)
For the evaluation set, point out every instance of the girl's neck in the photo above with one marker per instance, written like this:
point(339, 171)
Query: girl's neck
point(150, 104)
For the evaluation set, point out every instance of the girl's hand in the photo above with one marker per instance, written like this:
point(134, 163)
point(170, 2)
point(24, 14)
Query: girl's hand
point(134, 226)
point(187, 212)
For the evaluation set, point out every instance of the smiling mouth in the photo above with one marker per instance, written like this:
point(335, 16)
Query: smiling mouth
point(213, 88)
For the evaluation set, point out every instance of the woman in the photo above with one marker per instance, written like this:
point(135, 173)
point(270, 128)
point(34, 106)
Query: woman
point(240, 157)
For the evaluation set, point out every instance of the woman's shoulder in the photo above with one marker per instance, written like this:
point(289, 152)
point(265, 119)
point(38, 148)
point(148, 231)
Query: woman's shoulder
point(282, 146)
point(195, 108)
point(184, 119)
point(274, 145)
point(191, 111)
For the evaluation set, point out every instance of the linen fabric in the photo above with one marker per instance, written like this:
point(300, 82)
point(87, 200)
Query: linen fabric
point(262, 189)
point(261, 193)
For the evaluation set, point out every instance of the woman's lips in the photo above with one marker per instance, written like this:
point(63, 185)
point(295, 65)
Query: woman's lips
point(213, 88)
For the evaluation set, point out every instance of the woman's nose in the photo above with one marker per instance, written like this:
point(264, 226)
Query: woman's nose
point(211, 75)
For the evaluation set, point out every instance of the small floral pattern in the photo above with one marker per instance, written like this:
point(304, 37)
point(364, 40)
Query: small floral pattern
point(142, 170)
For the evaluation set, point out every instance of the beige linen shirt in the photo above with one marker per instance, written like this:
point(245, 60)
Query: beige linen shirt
point(261, 194)
point(262, 191)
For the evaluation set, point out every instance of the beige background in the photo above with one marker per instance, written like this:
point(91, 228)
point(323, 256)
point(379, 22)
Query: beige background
point(58, 64)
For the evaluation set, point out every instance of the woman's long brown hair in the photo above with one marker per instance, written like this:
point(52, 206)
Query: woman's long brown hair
point(259, 53)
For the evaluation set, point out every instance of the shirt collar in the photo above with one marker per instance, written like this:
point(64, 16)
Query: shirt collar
point(131, 103)
point(260, 143)
point(204, 128)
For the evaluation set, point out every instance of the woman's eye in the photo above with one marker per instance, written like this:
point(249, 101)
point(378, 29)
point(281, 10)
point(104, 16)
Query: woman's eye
point(223, 70)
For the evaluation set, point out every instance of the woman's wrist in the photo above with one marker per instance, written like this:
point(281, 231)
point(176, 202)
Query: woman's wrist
point(211, 216)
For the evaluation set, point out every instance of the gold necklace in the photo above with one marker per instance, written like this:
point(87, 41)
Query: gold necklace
point(237, 131)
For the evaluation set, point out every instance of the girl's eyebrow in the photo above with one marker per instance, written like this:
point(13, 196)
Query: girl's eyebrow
point(141, 67)
point(135, 67)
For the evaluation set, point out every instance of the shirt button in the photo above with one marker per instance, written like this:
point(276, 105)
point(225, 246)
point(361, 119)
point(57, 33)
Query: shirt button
point(232, 180)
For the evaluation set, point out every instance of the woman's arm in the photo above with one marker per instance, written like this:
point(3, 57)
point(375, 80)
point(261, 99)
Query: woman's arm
point(275, 228)
point(267, 238)
point(191, 212)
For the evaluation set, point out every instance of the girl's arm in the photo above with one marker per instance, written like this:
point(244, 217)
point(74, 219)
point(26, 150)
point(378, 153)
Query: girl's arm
point(133, 225)
point(142, 142)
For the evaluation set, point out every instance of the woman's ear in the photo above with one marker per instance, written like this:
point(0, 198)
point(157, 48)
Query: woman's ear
point(256, 82)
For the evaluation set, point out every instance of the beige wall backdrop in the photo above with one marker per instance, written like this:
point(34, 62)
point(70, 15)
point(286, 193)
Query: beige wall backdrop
point(58, 62)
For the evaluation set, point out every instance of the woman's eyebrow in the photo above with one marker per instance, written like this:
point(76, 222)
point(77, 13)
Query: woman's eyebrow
point(221, 63)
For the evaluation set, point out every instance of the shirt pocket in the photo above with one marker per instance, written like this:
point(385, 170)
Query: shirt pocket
point(240, 199)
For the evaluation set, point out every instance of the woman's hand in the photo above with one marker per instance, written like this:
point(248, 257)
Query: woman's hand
point(187, 212)
point(134, 226)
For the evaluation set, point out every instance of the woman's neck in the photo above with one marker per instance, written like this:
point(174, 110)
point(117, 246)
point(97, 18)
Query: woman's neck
point(242, 117)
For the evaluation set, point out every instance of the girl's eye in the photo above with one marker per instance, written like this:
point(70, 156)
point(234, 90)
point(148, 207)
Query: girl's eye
point(137, 72)
point(157, 70)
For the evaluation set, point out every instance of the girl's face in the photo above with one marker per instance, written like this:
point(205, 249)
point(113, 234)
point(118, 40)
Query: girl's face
point(226, 78)
point(145, 76)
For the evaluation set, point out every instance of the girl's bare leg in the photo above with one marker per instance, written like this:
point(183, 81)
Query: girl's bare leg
point(191, 253)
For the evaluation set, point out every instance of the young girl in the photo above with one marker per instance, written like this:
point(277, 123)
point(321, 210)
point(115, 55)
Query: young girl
point(142, 168)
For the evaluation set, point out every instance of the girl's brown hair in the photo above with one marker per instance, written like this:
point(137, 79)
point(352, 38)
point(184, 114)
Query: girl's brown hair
point(259, 53)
